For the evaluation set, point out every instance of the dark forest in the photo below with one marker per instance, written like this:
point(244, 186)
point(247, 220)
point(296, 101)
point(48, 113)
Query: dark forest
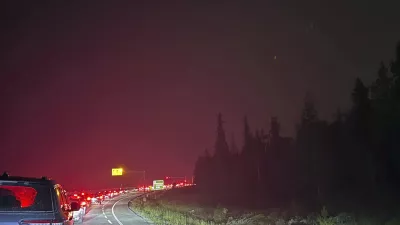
point(349, 164)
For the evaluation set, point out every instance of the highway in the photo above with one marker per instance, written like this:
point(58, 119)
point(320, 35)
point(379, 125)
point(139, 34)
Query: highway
point(114, 211)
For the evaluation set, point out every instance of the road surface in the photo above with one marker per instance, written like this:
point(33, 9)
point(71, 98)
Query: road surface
point(114, 211)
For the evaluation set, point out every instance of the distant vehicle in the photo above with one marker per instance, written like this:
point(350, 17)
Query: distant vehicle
point(88, 198)
point(79, 211)
point(83, 203)
point(28, 201)
point(97, 199)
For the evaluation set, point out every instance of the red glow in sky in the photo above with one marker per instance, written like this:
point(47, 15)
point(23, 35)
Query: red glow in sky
point(92, 87)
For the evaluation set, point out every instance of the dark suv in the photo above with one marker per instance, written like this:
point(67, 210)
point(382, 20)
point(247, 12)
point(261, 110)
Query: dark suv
point(38, 201)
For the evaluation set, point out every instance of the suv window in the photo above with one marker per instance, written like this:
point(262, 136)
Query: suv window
point(25, 197)
point(61, 197)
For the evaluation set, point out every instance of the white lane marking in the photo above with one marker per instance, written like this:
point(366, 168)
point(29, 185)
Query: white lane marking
point(109, 221)
point(105, 216)
point(112, 210)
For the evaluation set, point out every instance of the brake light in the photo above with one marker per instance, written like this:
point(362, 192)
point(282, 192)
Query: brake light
point(83, 203)
point(88, 198)
point(42, 222)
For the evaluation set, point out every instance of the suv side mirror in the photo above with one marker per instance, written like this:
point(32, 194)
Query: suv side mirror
point(75, 206)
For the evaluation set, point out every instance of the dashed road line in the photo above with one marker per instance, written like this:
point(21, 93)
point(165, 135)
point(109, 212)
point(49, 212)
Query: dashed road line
point(104, 213)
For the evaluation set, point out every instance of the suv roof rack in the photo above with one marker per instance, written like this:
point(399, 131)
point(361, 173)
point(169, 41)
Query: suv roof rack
point(6, 176)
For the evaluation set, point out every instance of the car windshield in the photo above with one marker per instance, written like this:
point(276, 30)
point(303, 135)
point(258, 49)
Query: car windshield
point(23, 197)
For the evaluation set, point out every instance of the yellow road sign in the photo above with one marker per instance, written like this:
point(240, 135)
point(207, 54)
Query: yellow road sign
point(116, 172)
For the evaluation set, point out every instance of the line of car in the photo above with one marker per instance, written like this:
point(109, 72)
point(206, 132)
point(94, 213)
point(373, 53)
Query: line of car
point(86, 199)
point(42, 201)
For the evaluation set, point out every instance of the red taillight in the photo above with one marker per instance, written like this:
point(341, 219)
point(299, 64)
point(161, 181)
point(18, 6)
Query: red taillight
point(42, 222)
point(101, 197)
point(83, 203)
point(88, 198)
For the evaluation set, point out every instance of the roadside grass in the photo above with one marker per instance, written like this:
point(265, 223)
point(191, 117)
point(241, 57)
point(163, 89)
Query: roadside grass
point(171, 208)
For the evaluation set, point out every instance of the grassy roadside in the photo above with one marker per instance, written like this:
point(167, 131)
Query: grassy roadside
point(161, 209)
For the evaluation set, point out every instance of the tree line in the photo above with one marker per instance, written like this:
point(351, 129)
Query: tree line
point(350, 163)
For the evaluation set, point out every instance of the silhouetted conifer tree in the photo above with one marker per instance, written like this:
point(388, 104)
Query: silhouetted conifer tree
point(352, 161)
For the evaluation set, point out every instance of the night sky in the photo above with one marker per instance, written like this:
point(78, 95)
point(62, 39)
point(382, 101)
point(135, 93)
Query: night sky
point(87, 87)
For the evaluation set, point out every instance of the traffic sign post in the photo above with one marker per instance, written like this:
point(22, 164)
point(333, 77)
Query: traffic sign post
point(116, 172)
point(158, 185)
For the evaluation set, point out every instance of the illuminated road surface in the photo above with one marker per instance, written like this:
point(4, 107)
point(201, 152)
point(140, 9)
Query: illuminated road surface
point(114, 211)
